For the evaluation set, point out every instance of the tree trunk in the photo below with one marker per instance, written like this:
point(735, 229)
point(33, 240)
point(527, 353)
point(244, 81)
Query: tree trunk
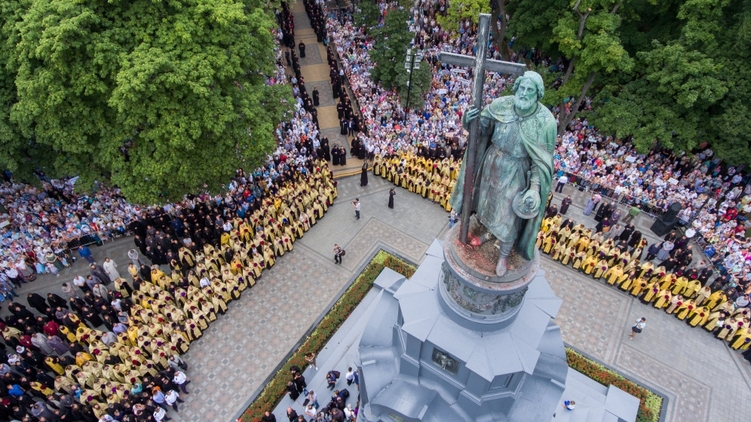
point(566, 118)
point(499, 34)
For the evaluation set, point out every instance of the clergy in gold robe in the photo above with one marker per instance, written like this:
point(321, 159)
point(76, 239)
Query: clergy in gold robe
point(663, 299)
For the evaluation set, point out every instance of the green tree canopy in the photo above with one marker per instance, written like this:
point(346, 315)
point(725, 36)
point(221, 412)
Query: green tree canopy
point(389, 54)
point(672, 71)
point(689, 88)
point(158, 98)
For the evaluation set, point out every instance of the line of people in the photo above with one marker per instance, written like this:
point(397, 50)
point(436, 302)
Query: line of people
point(671, 284)
point(433, 179)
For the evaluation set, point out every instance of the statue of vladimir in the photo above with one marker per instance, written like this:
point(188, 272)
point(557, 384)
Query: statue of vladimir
point(514, 162)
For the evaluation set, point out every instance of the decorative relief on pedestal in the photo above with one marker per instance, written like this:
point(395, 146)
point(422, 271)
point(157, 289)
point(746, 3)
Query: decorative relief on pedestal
point(444, 361)
point(479, 302)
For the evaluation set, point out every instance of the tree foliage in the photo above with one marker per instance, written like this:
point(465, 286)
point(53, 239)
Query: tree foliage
point(462, 10)
point(392, 40)
point(368, 14)
point(158, 98)
point(421, 80)
point(389, 54)
point(689, 88)
point(668, 71)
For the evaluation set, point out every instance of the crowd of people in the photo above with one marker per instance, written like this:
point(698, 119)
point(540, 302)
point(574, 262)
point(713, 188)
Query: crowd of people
point(715, 198)
point(661, 274)
point(110, 349)
point(433, 179)
point(43, 223)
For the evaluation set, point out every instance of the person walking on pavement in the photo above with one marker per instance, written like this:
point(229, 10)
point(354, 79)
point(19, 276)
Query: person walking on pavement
point(356, 205)
point(561, 183)
point(311, 357)
point(86, 254)
point(632, 213)
point(338, 254)
point(392, 194)
point(638, 327)
point(301, 46)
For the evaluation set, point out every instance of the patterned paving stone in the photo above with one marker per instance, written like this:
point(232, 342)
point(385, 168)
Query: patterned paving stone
point(689, 398)
point(590, 312)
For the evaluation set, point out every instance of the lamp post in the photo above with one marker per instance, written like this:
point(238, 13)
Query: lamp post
point(412, 62)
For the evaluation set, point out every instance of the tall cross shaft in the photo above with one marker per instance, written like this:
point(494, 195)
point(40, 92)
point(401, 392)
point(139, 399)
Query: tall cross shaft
point(480, 64)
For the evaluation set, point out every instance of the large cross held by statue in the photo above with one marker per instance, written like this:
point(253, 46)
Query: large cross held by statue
point(480, 64)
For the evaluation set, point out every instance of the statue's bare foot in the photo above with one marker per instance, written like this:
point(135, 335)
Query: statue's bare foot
point(501, 267)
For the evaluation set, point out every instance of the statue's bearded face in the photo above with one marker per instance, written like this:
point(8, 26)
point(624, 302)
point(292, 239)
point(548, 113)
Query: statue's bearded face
point(525, 97)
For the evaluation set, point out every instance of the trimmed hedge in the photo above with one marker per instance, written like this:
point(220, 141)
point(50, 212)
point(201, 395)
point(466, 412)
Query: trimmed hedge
point(275, 389)
point(650, 403)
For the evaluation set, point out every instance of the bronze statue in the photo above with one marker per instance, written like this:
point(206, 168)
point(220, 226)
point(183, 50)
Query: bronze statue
point(514, 168)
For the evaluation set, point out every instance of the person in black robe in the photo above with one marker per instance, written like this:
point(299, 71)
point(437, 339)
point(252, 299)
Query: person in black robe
point(325, 149)
point(343, 127)
point(565, 204)
point(316, 97)
point(55, 300)
point(355, 147)
point(364, 175)
point(91, 316)
point(293, 393)
point(362, 152)
point(301, 47)
point(392, 194)
point(600, 213)
point(635, 239)
point(335, 156)
point(340, 110)
point(314, 116)
point(343, 156)
point(551, 211)
point(37, 302)
point(627, 231)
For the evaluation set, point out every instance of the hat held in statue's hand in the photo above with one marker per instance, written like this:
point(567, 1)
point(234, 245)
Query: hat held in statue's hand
point(524, 209)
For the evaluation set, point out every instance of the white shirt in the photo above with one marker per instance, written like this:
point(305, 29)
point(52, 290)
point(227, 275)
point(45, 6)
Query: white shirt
point(171, 397)
point(179, 377)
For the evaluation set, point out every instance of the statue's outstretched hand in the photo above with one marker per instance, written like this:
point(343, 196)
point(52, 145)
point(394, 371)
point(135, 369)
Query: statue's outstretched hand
point(470, 114)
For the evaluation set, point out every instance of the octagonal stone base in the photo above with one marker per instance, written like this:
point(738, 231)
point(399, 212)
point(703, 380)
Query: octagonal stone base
point(470, 287)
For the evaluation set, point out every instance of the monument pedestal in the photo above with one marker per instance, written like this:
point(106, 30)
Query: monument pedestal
point(455, 343)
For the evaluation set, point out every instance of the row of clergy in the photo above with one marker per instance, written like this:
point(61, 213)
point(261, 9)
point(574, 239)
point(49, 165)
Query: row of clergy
point(679, 293)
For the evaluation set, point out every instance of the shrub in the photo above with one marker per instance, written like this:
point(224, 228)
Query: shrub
point(650, 403)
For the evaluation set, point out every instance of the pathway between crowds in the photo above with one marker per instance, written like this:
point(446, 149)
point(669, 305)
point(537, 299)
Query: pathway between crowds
point(703, 378)
point(315, 69)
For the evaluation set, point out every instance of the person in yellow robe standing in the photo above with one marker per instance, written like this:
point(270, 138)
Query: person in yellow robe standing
point(589, 265)
point(684, 309)
point(638, 286)
point(601, 267)
point(651, 293)
point(663, 299)
point(568, 255)
point(699, 316)
point(613, 274)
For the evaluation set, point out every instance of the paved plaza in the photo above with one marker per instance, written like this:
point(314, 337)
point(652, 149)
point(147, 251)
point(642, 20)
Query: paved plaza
point(703, 379)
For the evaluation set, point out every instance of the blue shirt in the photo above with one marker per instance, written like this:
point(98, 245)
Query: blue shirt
point(15, 391)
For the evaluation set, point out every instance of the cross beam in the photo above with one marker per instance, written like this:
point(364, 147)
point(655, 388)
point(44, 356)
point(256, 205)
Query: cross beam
point(480, 63)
